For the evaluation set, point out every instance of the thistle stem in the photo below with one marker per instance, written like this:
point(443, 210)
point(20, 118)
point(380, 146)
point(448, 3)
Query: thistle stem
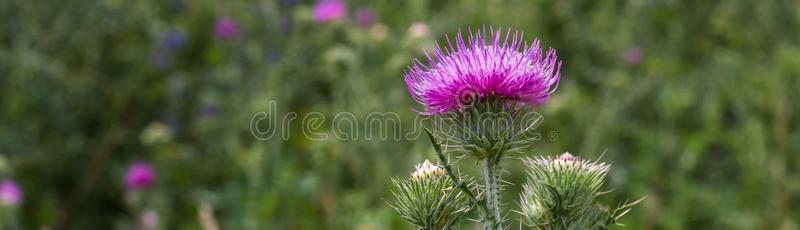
point(491, 177)
point(460, 184)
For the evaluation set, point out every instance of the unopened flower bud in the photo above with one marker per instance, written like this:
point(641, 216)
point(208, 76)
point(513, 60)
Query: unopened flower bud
point(429, 200)
point(426, 169)
point(567, 157)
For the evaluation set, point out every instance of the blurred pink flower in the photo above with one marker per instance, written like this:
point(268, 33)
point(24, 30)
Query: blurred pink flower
point(633, 55)
point(329, 10)
point(226, 28)
point(149, 220)
point(418, 30)
point(139, 175)
point(10, 193)
point(365, 17)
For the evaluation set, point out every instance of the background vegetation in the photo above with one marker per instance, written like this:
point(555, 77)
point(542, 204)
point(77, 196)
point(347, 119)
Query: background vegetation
point(705, 122)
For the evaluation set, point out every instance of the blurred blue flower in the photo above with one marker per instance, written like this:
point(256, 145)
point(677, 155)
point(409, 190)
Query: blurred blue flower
point(289, 2)
point(174, 39)
point(169, 43)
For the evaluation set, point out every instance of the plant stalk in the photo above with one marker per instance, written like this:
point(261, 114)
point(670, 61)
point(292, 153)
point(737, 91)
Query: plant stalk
point(491, 178)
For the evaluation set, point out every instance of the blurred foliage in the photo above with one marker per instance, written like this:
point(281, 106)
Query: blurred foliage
point(705, 124)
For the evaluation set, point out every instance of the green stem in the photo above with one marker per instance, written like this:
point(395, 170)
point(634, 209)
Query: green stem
point(491, 178)
point(483, 211)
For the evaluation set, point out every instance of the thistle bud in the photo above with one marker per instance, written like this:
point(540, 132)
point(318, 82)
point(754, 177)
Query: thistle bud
point(426, 169)
point(566, 157)
point(562, 192)
point(429, 200)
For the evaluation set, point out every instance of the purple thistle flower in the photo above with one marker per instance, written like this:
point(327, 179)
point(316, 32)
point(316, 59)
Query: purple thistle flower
point(633, 55)
point(365, 17)
point(478, 69)
point(10, 193)
point(329, 10)
point(226, 28)
point(139, 175)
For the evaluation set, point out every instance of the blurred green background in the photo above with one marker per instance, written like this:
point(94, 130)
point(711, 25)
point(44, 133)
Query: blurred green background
point(693, 102)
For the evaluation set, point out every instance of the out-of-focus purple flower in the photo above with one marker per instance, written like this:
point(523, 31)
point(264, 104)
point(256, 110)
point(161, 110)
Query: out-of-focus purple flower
point(140, 175)
point(503, 67)
point(10, 192)
point(226, 28)
point(365, 17)
point(329, 10)
point(418, 30)
point(633, 55)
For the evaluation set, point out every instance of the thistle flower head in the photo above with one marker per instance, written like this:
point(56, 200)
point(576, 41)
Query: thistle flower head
point(10, 192)
point(139, 176)
point(329, 10)
point(426, 169)
point(481, 66)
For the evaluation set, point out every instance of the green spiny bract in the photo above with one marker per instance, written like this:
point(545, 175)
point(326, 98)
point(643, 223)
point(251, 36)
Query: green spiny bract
point(562, 193)
point(488, 128)
point(429, 199)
